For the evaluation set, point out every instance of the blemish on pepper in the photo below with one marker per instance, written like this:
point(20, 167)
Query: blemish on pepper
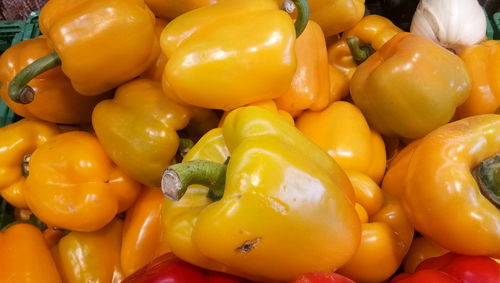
point(248, 245)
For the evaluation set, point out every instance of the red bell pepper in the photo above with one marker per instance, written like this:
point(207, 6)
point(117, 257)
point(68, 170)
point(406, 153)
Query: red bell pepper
point(453, 268)
point(169, 268)
point(322, 277)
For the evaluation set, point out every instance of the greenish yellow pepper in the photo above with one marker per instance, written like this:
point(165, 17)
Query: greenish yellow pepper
point(281, 207)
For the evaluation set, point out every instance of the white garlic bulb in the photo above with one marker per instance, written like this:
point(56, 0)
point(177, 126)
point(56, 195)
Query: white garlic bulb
point(453, 24)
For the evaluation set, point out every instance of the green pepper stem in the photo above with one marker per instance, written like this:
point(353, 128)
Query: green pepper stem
point(178, 177)
point(360, 52)
point(19, 91)
point(33, 220)
point(487, 175)
point(302, 14)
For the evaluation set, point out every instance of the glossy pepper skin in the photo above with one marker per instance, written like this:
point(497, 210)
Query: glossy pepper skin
point(410, 86)
point(88, 51)
point(137, 129)
point(450, 213)
point(170, 9)
point(420, 250)
point(342, 131)
point(336, 16)
point(386, 233)
point(452, 267)
point(310, 87)
point(266, 104)
point(74, 185)
point(25, 256)
point(56, 100)
point(91, 257)
point(483, 65)
point(155, 69)
point(322, 277)
point(207, 68)
point(142, 239)
point(18, 140)
point(279, 186)
point(169, 268)
point(374, 30)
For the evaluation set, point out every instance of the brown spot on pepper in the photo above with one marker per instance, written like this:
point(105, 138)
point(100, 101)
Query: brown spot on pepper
point(248, 245)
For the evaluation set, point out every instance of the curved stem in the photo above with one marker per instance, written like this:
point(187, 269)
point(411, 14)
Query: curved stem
point(178, 177)
point(19, 91)
point(360, 52)
point(33, 220)
point(487, 175)
point(302, 15)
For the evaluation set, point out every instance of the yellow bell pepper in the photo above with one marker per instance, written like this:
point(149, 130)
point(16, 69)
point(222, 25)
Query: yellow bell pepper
point(142, 240)
point(386, 233)
point(25, 256)
point(420, 250)
point(444, 200)
point(266, 104)
point(283, 208)
point(170, 9)
point(208, 68)
point(310, 87)
point(342, 131)
point(155, 70)
point(83, 257)
point(99, 45)
point(483, 64)
point(17, 143)
point(372, 30)
point(72, 183)
point(137, 129)
point(336, 16)
point(410, 86)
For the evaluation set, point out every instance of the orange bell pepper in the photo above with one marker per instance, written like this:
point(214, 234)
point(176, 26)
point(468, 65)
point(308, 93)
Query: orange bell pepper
point(91, 257)
point(155, 70)
point(56, 101)
point(410, 86)
point(339, 84)
point(208, 68)
point(420, 250)
point(170, 9)
point(74, 185)
point(310, 87)
point(97, 55)
point(137, 129)
point(142, 240)
point(372, 30)
point(25, 256)
point(342, 131)
point(336, 16)
point(52, 235)
point(17, 143)
point(446, 181)
point(386, 233)
point(483, 65)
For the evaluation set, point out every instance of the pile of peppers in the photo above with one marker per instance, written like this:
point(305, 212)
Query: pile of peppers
point(230, 141)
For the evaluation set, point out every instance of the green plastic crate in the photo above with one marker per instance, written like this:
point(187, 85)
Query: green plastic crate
point(12, 32)
point(496, 26)
point(489, 28)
